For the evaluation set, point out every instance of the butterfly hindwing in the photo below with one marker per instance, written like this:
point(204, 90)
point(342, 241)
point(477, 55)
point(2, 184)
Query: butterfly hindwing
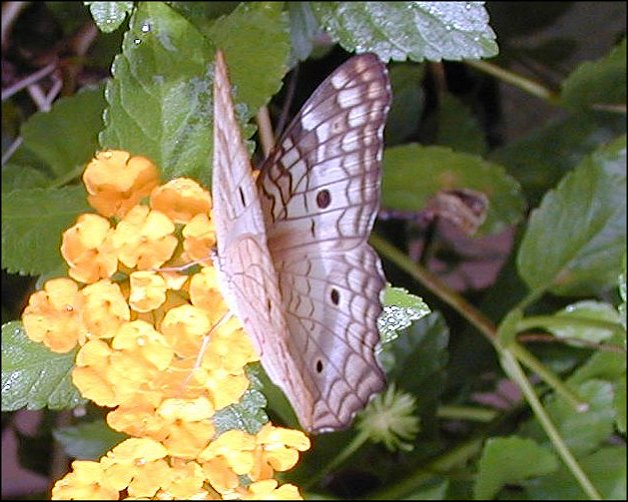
point(319, 192)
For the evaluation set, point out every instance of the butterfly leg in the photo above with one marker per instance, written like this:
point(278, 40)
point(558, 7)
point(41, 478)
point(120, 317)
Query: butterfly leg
point(206, 338)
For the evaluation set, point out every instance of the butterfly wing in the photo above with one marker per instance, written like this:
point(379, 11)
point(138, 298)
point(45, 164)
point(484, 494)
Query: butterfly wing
point(246, 272)
point(319, 191)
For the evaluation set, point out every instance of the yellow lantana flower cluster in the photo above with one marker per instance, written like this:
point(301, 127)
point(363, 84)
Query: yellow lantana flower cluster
point(154, 345)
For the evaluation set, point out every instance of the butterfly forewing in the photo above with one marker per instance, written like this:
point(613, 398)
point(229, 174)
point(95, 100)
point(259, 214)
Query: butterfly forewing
point(319, 192)
point(248, 277)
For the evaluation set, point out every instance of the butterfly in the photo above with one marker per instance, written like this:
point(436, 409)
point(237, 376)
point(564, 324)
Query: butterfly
point(292, 253)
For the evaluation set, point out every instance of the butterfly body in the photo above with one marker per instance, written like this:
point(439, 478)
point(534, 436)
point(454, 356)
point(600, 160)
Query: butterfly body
point(292, 250)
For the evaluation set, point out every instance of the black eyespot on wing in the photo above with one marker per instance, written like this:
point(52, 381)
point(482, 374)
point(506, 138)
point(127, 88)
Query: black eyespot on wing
point(335, 296)
point(319, 366)
point(242, 196)
point(323, 198)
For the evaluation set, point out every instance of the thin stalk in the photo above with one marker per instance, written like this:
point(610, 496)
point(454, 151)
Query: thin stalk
point(532, 363)
point(514, 371)
point(530, 86)
point(469, 413)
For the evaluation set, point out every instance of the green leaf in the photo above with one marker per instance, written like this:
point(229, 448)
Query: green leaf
point(256, 40)
point(401, 309)
point(88, 440)
point(601, 82)
point(246, 415)
point(407, 106)
point(582, 431)
point(412, 174)
point(458, 128)
point(540, 159)
point(420, 356)
point(32, 224)
point(160, 96)
point(17, 176)
point(510, 460)
point(620, 404)
point(606, 468)
point(576, 238)
point(66, 136)
point(588, 309)
point(33, 376)
point(108, 16)
point(415, 30)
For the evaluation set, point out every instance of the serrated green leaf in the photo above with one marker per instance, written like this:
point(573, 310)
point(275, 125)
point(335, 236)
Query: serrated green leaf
point(583, 431)
point(458, 128)
point(576, 238)
point(420, 356)
point(108, 16)
point(256, 40)
point(160, 96)
point(407, 106)
point(412, 174)
point(601, 82)
point(587, 309)
point(89, 440)
point(606, 469)
point(246, 415)
point(539, 160)
point(32, 224)
point(414, 30)
point(510, 460)
point(33, 376)
point(66, 136)
point(401, 309)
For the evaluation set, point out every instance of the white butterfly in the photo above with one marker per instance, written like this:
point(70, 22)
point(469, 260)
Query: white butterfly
point(293, 256)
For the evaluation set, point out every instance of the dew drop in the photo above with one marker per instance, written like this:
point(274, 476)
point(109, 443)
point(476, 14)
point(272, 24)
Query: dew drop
point(137, 41)
point(146, 28)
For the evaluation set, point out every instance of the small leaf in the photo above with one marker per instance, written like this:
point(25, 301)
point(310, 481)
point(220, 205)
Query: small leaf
point(606, 469)
point(33, 376)
point(415, 30)
point(601, 82)
point(510, 460)
point(401, 309)
point(66, 137)
point(412, 174)
point(576, 238)
point(108, 16)
point(587, 309)
point(246, 415)
point(88, 440)
point(32, 224)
